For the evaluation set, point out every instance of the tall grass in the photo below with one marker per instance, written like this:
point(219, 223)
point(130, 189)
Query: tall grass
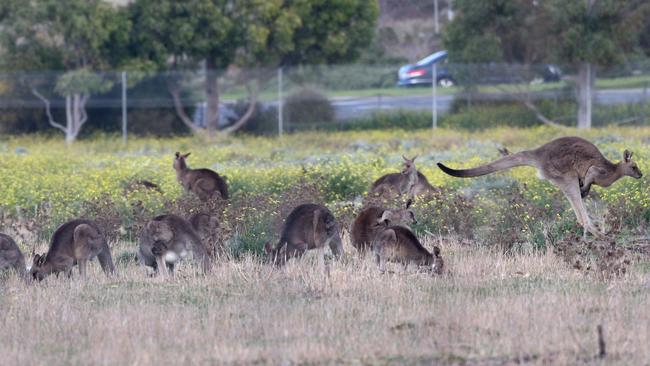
point(488, 308)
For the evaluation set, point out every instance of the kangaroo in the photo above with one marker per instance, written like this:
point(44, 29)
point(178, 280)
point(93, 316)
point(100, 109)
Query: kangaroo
point(166, 239)
point(572, 164)
point(399, 244)
point(142, 184)
point(409, 182)
point(75, 242)
point(203, 182)
point(11, 256)
point(308, 226)
point(374, 219)
point(206, 226)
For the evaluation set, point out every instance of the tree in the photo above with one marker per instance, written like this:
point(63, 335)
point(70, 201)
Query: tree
point(247, 33)
point(576, 33)
point(80, 37)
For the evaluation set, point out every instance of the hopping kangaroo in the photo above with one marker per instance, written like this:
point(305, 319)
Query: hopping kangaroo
point(374, 219)
point(75, 242)
point(11, 256)
point(203, 182)
point(409, 181)
point(572, 164)
point(308, 226)
point(399, 244)
point(166, 239)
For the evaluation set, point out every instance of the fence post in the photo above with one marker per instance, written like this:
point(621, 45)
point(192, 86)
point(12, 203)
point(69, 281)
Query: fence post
point(280, 116)
point(434, 96)
point(124, 121)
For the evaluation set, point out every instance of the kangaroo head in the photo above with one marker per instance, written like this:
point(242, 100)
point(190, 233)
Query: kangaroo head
point(402, 216)
point(276, 255)
point(159, 231)
point(39, 269)
point(409, 164)
point(629, 167)
point(179, 161)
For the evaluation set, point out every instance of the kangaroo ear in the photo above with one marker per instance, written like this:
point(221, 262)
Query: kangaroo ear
point(409, 202)
point(177, 155)
point(405, 158)
point(186, 155)
point(415, 156)
point(627, 156)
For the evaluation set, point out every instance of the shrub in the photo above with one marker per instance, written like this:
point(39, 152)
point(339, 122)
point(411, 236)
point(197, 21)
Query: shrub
point(264, 120)
point(398, 119)
point(308, 106)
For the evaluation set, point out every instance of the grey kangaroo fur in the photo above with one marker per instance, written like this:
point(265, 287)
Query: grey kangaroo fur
point(374, 219)
point(74, 243)
point(399, 244)
point(206, 226)
point(308, 226)
point(166, 239)
point(410, 182)
point(572, 164)
point(11, 256)
point(205, 183)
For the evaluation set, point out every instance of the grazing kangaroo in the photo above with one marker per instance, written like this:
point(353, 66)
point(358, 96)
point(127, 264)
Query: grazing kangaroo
point(75, 242)
point(143, 184)
point(203, 182)
point(11, 256)
point(308, 226)
point(166, 239)
point(206, 226)
point(399, 244)
point(374, 219)
point(572, 164)
point(409, 182)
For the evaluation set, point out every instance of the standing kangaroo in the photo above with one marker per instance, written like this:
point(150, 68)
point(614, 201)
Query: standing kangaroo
point(572, 164)
point(308, 226)
point(75, 242)
point(409, 181)
point(374, 219)
point(205, 183)
point(399, 244)
point(11, 256)
point(166, 239)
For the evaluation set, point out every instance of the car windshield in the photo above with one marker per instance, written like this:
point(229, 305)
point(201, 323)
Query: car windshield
point(432, 58)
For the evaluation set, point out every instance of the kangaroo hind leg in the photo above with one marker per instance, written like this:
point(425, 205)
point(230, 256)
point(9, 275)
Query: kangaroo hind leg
point(571, 190)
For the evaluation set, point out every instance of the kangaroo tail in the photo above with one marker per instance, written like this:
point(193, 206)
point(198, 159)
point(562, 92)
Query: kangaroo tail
point(506, 162)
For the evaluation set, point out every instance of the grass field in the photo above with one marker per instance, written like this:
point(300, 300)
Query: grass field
point(518, 288)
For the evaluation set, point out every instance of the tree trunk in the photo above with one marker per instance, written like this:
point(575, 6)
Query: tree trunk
point(211, 95)
point(584, 91)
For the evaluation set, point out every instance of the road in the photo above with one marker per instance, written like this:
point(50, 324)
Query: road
point(353, 107)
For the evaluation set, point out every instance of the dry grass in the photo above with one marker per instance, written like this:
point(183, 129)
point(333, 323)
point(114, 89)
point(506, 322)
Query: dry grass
point(487, 309)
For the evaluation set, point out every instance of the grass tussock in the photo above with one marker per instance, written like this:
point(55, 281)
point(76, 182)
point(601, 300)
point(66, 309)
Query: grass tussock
point(488, 308)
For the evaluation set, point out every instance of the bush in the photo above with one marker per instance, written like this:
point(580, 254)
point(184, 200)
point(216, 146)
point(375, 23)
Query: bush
point(398, 119)
point(264, 120)
point(308, 106)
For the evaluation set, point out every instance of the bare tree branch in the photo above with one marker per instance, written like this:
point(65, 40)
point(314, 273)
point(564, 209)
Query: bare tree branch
point(252, 98)
point(48, 110)
point(528, 103)
point(180, 111)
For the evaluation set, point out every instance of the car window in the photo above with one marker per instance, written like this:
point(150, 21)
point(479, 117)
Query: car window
point(432, 58)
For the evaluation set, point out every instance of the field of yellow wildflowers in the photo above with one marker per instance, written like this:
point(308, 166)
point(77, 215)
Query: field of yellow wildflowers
point(42, 177)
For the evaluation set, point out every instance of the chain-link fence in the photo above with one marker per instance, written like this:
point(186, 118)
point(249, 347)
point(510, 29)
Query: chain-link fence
point(282, 100)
